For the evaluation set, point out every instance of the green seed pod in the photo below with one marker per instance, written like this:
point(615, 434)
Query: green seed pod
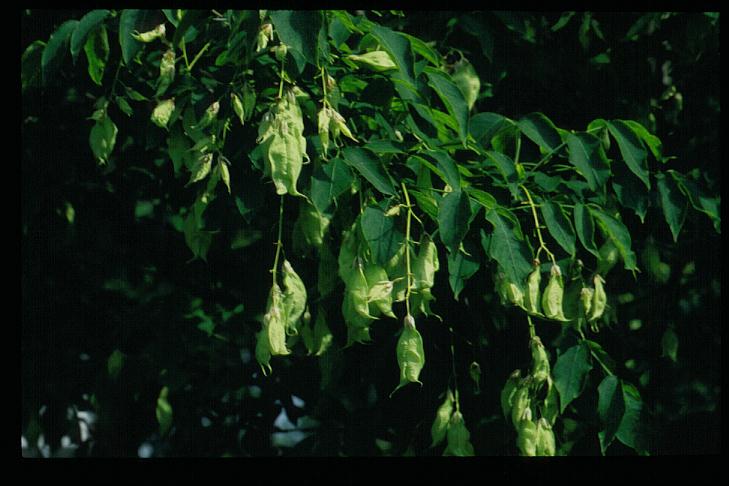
point(531, 299)
point(211, 112)
point(201, 168)
point(459, 443)
point(550, 406)
point(509, 391)
point(553, 295)
point(586, 295)
point(294, 298)
point(544, 439)
point(265, 34)
point(378, 61)
point(520, 405)
point(410, 354)
point(274, 322)
point(166, 71)
point(323, 121)
point(149, 36)
point(338, 125)
point(309, 228)
point(348, 253)
point(224, 172)
point(263, 352)
point(526, 439)
point(424, 268)
point(379, 293)
point(162, 112)
point(540, 361)
point(238, 108)
point(599, 299)
point(280, 52)
point(357, 291)
point(514, 294)
point(442, 417)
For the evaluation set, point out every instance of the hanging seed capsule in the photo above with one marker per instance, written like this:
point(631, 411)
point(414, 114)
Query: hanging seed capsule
point(599, 299)
point(210, 113)
point(339, 125)
point(586, 295)
point(410, 353)
point(238, 108)
point(459, 443)
point(544, 439)
point(323, 121)
point(442, 417)
point(520, 403)
point(294, 298)
point(274, 323)
point(263, 352)
point(540, 361)
point(509, 391)
point(553, 295)
point(609, 255)
point(151, 35)
point(526, 440)
point(531, 299)
point(166, 71)
point(162, 112)
point(378, 61)
point(265, 33)
point(280, 52)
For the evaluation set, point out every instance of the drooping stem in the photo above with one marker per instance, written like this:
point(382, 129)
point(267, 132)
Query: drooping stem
point(548, 156)
point(453, 368)
point(281, 80)
point(198, 55)
point(279, 244)
point(407, 248)
point(532, 331)
point(542, 245)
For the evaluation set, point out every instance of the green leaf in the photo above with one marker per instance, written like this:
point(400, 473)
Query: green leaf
point(398, 46)
point(588, 156)
point(328, 182)
point(633, 429)
point(484, 126)
point(132, 20)
point(559, 226)
point(699, 199)
point(189, 18)
point(86, 25)
point(371, 169)
point(454, 213)
point(654, 143)
point(601, 356)
point(630, 192)
point(461, 267)
point(620, 236)
point(506, 167)
point(299, 30)
point(452, 98)
point(540, 130)
point(585, 227)
point(631, 149)
point(382, 237)
point(508, 248)
point(97, 53)
point(420, 47)
point(570, 372)
point(55, 50)
point(482, 197)
point(30, 65)
point(448, 168)
point(673, 202)
point(610, 408)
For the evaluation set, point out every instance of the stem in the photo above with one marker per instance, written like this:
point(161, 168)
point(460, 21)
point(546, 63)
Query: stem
point(453, 368)
point(407, 248)
point(542, 246)
point(278, 242)
point(281, 79)
point(548, 156)
point(518, 150)
point(532, 331)
point(197, 56)
point(116, 77)
point(184, 54)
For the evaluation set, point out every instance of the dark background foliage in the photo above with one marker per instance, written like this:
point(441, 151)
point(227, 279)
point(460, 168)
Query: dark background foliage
point(118, 275)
